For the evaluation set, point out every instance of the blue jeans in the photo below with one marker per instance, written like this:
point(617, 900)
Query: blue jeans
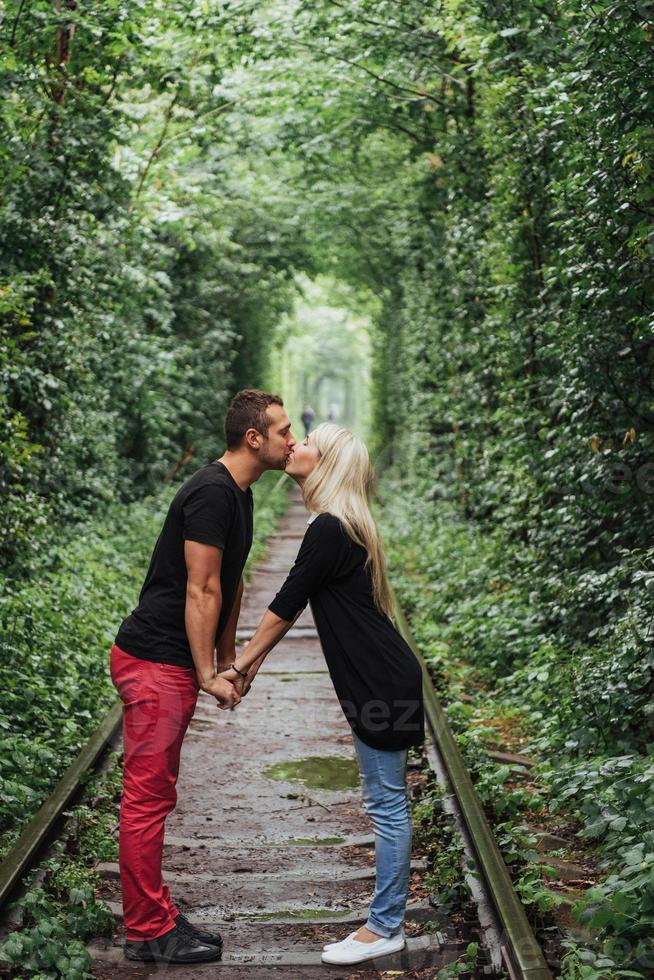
point(386, 801)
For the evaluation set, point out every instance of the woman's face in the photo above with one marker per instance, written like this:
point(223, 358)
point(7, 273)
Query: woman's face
point(303, 460)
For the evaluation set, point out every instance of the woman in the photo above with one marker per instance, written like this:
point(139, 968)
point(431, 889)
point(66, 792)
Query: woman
point(340, 569)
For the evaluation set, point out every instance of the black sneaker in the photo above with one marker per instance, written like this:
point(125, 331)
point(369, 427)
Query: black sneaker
point(175, 946)
point(213, 938)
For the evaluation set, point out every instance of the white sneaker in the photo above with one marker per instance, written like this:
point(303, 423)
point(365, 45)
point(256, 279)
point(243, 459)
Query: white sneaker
point(352, 951)
point(337, 941)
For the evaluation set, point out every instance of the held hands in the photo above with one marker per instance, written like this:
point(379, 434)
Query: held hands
point(220, 688)
point(226, 677)
point(241, 684)
point(227, 685)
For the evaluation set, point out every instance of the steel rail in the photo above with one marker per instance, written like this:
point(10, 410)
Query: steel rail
point(523, 956)
point(40, 830)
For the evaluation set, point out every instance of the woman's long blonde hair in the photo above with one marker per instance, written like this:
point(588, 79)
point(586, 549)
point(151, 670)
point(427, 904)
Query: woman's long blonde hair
point(342, 484)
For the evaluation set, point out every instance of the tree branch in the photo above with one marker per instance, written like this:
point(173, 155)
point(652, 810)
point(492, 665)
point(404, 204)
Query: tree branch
point(157, 147)
point(385, 81)
point(12, 39)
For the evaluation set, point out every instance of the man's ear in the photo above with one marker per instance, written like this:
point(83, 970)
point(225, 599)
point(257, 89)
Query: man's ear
point(253, 439)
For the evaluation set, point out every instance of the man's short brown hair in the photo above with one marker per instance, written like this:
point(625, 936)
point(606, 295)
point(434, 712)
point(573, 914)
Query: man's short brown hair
point(247, 410)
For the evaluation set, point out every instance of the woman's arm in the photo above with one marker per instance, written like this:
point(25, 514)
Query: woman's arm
point(269, 632)
point(316, 562)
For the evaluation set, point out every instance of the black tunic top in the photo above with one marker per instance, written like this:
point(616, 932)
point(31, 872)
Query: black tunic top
point(376, 675)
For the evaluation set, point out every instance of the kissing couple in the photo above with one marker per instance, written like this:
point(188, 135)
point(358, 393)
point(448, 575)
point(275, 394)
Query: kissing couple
point(181, 638)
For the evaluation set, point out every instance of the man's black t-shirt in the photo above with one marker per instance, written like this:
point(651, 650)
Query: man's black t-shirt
point(376, 675)
point(210, 508)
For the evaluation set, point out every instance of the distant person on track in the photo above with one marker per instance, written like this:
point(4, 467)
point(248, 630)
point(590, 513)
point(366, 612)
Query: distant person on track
point(181, 634)
point(308, 416)
point(340, 569)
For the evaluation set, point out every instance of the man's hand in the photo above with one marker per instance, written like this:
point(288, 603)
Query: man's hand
point(226, 694)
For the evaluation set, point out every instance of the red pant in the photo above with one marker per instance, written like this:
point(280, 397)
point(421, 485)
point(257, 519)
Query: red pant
point(159, 701)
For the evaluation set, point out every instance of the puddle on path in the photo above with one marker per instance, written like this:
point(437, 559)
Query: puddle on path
point(318, 772)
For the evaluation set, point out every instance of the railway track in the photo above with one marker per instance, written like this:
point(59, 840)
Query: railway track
point(275, 850)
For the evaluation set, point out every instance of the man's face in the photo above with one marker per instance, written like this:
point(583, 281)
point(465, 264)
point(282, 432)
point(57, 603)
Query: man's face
point(278, 445)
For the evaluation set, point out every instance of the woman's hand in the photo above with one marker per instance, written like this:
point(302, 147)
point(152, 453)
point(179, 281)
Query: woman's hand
point(241, 684)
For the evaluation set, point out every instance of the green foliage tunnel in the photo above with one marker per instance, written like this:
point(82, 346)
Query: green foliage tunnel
point(473, 179)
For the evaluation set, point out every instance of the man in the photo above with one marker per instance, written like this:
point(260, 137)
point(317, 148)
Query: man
point(177, 640)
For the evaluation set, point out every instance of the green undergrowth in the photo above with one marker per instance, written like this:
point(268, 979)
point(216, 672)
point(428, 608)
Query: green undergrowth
point(57, 629)
point(436, 835)
point(511, 680)
point(59, 909)
point(77, 606)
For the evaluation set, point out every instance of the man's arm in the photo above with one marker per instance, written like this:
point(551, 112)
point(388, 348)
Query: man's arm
point(202, 611)
point(226, 648)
